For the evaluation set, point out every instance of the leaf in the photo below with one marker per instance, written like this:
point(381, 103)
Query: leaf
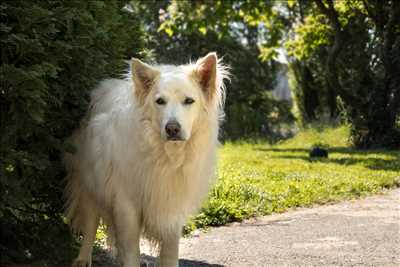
point(169, 31)
point(203, 30)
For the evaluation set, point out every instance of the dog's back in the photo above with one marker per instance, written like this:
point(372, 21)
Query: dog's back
point(89, 166)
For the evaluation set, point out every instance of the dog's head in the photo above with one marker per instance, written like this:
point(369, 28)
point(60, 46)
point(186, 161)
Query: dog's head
point(176, 97)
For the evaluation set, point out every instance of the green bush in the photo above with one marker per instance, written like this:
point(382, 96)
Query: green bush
point(52, 54)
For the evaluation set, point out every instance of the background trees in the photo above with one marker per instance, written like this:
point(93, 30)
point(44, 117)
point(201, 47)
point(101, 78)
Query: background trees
point(355, 52)
point(189, 29)
point(343, 59)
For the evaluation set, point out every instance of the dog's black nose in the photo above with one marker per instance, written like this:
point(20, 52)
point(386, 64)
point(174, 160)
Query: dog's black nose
point(173, 129)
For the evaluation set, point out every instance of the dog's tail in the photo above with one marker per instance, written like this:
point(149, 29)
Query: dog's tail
point(74, 203)
point(72, 190)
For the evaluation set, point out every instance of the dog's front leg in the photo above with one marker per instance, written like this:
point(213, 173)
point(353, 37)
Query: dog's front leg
point(169, 253)
point(127, 224)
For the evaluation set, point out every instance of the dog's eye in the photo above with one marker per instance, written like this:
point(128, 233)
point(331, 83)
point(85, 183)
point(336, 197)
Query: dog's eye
point(160, 101)
point(188, 101)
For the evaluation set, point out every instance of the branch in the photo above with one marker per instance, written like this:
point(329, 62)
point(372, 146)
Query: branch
point(371, 14)
point(334, 51)
point(331, 13)
point(394, 16)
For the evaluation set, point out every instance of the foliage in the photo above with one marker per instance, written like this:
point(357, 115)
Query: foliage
point(353, 47)
point(232, 29)
point(308, 37)
point(343, 55)
point(53, 53)
point(258, 179)
point(371, 77)
point(307, 52)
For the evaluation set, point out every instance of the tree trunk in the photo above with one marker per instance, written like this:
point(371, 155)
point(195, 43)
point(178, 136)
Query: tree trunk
point(310, 99)
point(307, 97)
point(334, 51)
point(391, 63)
point(332, 103)
point(381, 123)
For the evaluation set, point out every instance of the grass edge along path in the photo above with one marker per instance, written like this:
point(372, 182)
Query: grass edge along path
point(256, 179)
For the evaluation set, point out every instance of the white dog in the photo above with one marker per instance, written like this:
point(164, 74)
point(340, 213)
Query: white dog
point(146, 153)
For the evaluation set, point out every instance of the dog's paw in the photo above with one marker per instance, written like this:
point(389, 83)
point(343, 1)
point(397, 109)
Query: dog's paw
point(81, 263)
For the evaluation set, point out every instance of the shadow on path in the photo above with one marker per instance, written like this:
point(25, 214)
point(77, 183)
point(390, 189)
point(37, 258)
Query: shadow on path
point(149, 261)
point(103, 258)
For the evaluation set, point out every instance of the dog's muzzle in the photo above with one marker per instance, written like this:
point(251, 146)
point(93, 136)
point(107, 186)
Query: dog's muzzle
point(173, 130)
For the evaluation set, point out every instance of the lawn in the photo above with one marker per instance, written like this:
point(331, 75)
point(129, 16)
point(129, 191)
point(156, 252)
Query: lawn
point(258, 179)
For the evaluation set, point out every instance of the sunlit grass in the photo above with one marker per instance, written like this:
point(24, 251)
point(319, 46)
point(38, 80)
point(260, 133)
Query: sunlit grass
point(258, 179)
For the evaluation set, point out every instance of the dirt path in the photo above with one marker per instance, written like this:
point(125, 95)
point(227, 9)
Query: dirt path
point(358, 233)
point(354, 233)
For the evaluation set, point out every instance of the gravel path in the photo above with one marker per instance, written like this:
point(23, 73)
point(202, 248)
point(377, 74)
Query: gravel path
point(356, 233)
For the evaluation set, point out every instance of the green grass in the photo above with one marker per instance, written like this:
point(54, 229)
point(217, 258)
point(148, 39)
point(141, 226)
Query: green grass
point(259, 179)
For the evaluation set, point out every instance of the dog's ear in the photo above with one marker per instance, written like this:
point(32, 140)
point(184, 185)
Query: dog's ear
point(144, 77)
point(206, 72)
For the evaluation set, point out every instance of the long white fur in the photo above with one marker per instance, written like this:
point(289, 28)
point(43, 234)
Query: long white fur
point(124, 168)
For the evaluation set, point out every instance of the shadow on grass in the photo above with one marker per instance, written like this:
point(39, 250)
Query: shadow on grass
point(373, 163)
point(342, 150)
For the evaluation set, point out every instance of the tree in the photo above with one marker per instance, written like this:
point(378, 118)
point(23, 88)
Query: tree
point(234, 30)
point(306, 48)
point(355, 51)
point(371, 30)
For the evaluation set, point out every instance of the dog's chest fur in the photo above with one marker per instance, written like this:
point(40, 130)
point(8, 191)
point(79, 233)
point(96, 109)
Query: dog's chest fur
point(173, 183)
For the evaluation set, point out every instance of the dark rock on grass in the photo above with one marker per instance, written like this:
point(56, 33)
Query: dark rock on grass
point(318, 152)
